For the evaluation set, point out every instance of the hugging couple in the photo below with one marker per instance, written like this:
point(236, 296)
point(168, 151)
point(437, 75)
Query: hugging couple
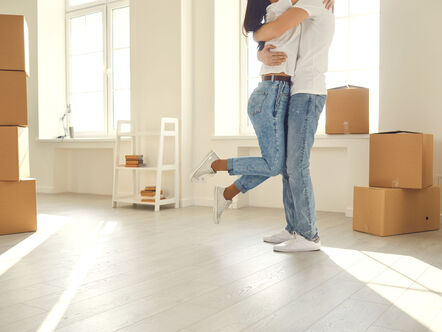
point(294, 38)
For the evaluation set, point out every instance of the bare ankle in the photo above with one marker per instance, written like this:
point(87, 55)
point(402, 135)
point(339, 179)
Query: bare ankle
point(219, 165)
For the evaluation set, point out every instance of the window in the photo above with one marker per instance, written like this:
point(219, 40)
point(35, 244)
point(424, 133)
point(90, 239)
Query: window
point(353, 58)
point(98, 65)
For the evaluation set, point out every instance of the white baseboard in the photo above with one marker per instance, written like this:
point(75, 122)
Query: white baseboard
point(349, 212)
point(186, 202)
point(203, 202)
point(46, 190)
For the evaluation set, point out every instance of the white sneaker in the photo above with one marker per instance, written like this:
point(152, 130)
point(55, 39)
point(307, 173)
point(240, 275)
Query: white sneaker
point(205, 168)
point(219, 204)
point(280, 237)
point(298, 244)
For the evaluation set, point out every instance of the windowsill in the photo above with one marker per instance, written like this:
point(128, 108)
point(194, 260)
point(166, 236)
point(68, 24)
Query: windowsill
point(77, 140)
point(318, 136)
point(82, 143)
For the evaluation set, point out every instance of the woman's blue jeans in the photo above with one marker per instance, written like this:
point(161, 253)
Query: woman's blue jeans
point(267, 110)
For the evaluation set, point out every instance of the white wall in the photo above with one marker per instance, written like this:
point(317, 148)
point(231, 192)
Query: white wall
point(411, 69)
point(51, 66)
point(161, 77)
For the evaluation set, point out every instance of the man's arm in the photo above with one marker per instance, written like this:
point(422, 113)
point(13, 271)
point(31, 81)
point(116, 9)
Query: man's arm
point(290, 19)
point(271, 58)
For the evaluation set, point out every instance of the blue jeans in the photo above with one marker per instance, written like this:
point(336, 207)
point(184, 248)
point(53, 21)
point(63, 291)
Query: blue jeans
point(267, 109)
point(298, 196)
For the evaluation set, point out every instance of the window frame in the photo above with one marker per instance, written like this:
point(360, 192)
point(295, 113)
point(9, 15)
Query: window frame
point(244, 128)
point(95, 3)
point(106, 7)
point(110, 105)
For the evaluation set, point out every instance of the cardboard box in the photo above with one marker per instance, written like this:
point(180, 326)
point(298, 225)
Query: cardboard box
point(14, 153)
point(13, 100)
point(18, 207)
point(347, 111)
point(389, 211)
point(14, 43)
point(401, 160)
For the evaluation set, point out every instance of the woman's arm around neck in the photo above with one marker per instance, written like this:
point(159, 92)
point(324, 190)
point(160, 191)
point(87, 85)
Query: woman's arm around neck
point(290, 19)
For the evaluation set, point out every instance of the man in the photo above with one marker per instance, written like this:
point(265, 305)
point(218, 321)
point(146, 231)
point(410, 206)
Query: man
point(308, 96)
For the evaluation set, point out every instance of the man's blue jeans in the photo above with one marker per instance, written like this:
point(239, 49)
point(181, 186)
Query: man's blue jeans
point(267, 110)
point(299, 201)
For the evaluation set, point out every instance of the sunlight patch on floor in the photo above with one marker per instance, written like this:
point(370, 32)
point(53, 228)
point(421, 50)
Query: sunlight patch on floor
point(89, 254)
point(47, 226)
point(413, 287)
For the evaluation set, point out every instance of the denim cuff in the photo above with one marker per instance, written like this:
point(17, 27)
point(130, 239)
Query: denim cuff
point(240, 186)
point(230, 166)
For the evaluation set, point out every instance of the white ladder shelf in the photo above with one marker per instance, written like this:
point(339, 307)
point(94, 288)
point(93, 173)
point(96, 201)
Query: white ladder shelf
point(134, 137)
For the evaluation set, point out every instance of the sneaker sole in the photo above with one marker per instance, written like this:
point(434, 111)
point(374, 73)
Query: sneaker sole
point(192, 177)
point(215, 206)
point(293, 251)
point(274, 242)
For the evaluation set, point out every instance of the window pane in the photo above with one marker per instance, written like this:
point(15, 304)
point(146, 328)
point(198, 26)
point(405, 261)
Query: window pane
point(121, 105)
point(364, 42)
point(121, 60)
point(363, 7)
point(341, 8)
point(121, 27)
point(87, 73)
point(94, 31)
point(336, 79)
point(78, 35)
point(87, 112)
point(254, 66)
point(338, 54)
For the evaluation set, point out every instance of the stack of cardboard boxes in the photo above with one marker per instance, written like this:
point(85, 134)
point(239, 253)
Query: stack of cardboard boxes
point(18, 211)
point(401, 197)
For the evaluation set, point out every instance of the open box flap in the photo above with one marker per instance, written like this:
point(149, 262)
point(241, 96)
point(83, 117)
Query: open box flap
point(397, 132)
point(348, 87)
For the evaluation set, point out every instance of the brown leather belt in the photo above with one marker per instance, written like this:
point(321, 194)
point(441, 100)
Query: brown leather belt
point(276, 78)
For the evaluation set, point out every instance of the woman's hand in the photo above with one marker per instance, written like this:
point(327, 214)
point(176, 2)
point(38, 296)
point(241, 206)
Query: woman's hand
point(329, 4)
point(271, 58)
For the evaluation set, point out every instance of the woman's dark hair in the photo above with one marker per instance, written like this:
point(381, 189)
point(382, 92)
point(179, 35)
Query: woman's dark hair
point(255, 17)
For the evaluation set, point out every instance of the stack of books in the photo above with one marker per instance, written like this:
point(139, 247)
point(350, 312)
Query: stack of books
point(148, 194)
point(134, 161)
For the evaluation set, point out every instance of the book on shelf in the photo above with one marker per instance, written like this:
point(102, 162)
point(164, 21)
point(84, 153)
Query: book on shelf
point(134, 166)
point(149, 193)
point(134, 157)
point(133, 162)
point(151, 200)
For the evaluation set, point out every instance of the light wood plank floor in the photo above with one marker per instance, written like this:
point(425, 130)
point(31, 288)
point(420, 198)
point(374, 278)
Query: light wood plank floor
point(93, 268)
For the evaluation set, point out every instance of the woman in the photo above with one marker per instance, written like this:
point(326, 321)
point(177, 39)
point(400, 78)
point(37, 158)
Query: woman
point(267, 110)
point(308, 95)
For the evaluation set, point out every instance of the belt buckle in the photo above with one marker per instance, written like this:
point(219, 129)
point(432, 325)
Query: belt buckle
point(273, 78)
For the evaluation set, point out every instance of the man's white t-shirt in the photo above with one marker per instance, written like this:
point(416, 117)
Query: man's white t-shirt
point(317, 32)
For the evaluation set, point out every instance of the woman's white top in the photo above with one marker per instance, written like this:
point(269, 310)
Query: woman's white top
point(287, 42)
point(316, 34)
